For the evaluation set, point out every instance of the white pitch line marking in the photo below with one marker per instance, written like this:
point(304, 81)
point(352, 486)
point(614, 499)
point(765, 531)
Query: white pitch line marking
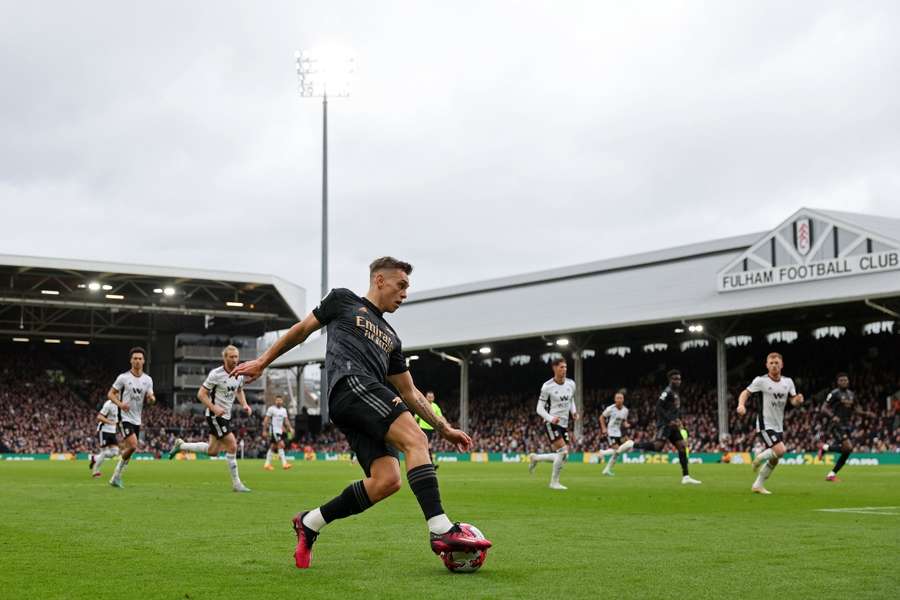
point(863, 510)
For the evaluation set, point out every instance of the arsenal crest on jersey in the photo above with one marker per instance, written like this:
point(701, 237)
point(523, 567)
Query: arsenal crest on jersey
point(804, 236)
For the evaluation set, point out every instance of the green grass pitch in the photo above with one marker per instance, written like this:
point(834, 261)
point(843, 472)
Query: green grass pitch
point(177, 531)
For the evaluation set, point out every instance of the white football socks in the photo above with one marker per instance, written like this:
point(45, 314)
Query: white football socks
point(102, 456)
point(314, 520)
point(612, 461)
point(120, 467)
point(269, 460)
point(558, 461)
point(625, 447)
point(232, 466)
point(282, 456)
point(549, 457)
point(607, 452)
point(764, 473)
point(198, 447)
point(439, 524)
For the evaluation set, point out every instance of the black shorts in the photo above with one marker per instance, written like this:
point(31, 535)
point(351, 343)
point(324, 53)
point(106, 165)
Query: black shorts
point(218, 426)
point(770, 437)
point(107, 439)
point(364, 409)
point(839, 433)
point(615, 440)
point(129, 429)
point(554, 432)
point(278, 437)
point(672, 434)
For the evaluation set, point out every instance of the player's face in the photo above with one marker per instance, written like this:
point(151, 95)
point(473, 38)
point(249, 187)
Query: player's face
point(392, 286)
point(675, 381)
point(559, 371)
point(429, 396)
point(774, 365)
point(137, 362)
point(231, 360)
point(843, 382)
point(620, 400)
point(279, 402)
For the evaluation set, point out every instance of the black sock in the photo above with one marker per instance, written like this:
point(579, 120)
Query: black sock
point(424, 484)
point(682, 458)
point(352, 500)
point(840, 461)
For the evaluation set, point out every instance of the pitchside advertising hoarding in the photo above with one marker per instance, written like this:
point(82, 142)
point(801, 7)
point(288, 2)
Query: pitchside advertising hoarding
point(631, 458)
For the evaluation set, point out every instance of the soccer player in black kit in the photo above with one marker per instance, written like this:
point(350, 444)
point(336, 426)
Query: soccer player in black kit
point(668, 425)
point(840, 407)
point(363, 354)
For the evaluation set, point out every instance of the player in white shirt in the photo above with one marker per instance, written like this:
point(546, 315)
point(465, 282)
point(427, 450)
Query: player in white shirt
point(275, 423)
point(217, 394)
point(108, 420)
point(617, 413)
point(775, 391)
point(129, 392)
point(555, 404)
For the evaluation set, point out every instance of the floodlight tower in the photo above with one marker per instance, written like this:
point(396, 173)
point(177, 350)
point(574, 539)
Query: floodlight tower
point(322, 74)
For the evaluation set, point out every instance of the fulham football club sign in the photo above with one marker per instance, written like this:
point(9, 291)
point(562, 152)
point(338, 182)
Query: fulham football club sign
point(810, 246)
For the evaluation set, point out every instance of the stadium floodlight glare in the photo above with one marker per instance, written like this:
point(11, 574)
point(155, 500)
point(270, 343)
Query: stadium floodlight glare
point(157, 290)
point(695, 328)
point(413, 357)
point(94, 286)
point(82, 343)
point(679, 330)
point(50, 292)
point(562, 342)
point(106, 287)
point(324, 72)
point(169, 291)
point(484, 350)
point(20, 339)
point(52, 341)
point(115, 297)
point(235, 304)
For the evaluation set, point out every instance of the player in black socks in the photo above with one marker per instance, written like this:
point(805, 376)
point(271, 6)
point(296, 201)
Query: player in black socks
point(363, 354)
point(668, 425)
point(840, 407)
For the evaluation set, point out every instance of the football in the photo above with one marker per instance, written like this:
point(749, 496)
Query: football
point(465, 562)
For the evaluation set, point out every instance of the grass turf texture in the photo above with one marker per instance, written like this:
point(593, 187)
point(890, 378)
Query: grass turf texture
point(178, 531)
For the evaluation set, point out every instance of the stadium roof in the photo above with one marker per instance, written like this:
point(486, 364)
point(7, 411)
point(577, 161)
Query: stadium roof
point(98, 299)
point(661, 287)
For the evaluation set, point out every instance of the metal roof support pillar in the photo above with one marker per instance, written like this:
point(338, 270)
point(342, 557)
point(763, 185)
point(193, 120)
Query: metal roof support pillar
point(722, 387)
point(464, 394)
point(578, 358)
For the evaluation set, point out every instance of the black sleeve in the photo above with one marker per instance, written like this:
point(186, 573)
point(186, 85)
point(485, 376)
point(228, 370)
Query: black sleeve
point(397, 362)
point(330, 306)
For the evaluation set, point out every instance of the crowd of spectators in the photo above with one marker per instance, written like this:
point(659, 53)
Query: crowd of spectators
point(48, 407)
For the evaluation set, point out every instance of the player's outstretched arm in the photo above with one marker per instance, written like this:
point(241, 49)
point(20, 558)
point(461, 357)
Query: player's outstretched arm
point(297, 334)
point(420, 405)
point(742, 401)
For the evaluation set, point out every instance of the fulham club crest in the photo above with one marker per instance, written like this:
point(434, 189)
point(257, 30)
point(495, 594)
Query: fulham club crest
point(803, 236)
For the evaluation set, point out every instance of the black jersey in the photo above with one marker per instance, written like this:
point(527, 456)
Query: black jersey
point(668, 407)
point(842, 404)
point(360, 341)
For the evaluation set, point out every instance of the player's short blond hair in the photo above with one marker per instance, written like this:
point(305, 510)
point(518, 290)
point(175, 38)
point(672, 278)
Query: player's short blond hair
point(229, 347)
point(776, 355)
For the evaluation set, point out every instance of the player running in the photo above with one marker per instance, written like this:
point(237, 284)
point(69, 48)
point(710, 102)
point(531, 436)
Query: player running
point(555, 403)
point(428, 429)
point(108, 419)
point(669, 426)
point(619, 443)
point(275, 423)
point(217, 394)
point(775, 391)
point(129, 392)
point(363, 354)
point(840, 407)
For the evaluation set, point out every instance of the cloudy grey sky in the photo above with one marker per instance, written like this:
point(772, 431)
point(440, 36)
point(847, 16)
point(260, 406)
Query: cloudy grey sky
point(482, 138)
